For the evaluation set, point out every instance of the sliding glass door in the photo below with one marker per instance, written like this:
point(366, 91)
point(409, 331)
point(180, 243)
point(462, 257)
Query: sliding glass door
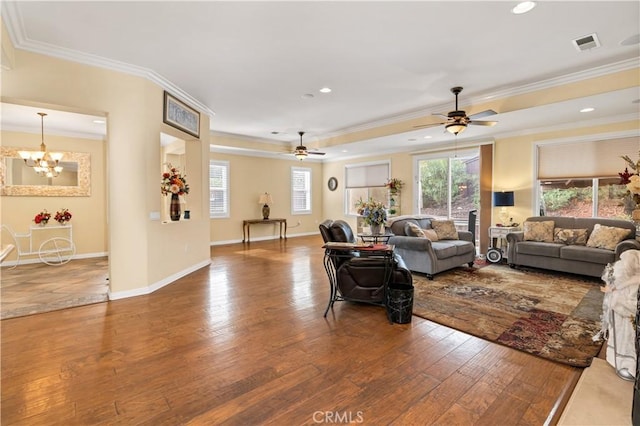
point(449, 185)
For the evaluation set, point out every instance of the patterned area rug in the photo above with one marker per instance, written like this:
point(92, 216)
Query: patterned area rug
point(553, 316)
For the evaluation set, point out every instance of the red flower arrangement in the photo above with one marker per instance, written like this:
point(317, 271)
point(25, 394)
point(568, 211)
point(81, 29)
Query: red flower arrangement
point(63, 216)
point(173, 182)
point(42, 218)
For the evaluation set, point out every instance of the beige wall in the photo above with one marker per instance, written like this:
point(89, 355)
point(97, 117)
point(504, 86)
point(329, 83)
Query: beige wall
point(143, 254)
point(251, 176)
point(89, 213)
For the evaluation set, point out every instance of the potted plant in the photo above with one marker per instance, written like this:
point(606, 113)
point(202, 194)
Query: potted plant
point(374, 214)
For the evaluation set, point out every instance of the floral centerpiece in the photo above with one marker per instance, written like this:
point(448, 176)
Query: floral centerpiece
point(173, 182)
point(632, 181)
point(374, 213)
point(394, 184)
point(42, 218)
point(63, 216)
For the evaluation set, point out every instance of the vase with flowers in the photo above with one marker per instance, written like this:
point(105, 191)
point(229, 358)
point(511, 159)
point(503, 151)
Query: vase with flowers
point(174, 183)
point(374, 214)
point(632, 181)
point(62, 216)
point(42, 218)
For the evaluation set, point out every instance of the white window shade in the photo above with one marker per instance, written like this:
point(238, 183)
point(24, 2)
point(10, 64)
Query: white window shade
point(218, 189)
point(587, 159)
point(366, 176)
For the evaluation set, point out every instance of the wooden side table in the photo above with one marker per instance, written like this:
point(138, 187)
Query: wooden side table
point(246, 227)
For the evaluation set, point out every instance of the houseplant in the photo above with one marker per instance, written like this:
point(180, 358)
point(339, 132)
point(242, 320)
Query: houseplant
point(175, 184)
point(632, 181)
point(374, 214)
point(394, 185)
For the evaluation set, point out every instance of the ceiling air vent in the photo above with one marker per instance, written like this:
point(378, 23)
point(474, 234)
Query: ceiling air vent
point(587, 42)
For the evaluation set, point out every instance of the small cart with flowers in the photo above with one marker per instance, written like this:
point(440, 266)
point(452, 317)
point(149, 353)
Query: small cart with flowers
point(54, 242)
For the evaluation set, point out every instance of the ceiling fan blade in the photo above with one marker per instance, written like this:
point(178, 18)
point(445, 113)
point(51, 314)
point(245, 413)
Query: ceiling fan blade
point(482, 114)
point(424, 126)
point(315, 153)
point(483, 123)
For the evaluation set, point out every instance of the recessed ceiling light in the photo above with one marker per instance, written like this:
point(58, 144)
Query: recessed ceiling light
point(325, 90)
point(523, 7)
point(589, 109)
point(412, 140)
point(428, 137)
point(99, 121)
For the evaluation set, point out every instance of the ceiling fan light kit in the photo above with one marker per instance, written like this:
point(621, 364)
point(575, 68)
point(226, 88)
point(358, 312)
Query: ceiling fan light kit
point(301, 152)
point(457, 120)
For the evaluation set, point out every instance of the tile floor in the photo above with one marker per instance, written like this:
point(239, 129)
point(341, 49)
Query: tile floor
point(33, 288)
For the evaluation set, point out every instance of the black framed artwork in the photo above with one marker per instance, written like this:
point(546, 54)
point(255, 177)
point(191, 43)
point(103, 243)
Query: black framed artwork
point(180, 115)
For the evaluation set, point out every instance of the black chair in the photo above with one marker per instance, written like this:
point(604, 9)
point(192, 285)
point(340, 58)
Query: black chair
point(355, 276)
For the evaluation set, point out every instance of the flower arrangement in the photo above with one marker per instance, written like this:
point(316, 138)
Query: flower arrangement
point(42, 218)
point(373, 212)
point(394, 184)
point(632, 180)
point(63, 216)
point(173, 182)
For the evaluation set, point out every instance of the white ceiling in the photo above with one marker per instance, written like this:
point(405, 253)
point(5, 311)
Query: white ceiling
point(252, 63)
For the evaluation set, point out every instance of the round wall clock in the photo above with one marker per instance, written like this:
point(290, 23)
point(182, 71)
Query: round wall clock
point(332, 184)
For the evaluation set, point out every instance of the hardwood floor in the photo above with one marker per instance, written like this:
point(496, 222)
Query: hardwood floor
point(244, 342)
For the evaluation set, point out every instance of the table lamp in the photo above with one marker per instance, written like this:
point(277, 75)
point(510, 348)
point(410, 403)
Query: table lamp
point(265, 200)
point(503, 199)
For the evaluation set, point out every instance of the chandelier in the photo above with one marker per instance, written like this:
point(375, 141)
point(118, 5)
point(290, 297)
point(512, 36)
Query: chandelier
point(44, 163)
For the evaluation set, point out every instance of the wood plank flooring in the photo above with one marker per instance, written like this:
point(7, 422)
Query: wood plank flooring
point(244, 342)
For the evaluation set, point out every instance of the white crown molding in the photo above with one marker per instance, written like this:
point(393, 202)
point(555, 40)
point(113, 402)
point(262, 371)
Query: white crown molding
point(15, 28)
point(486, 97)
point(71, 134)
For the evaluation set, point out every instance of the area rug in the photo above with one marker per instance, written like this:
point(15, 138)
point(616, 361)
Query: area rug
point(553, 316)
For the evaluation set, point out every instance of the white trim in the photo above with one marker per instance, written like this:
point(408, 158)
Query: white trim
point(272, 237)
point(36, 259)
point(15, 29)
point(141, 291)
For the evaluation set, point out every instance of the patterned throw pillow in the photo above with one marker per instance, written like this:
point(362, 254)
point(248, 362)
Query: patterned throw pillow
point(606, 237)
point(430, 234)
point(572, 237)
point(413, 230)
point(445, 229)
point(539, 231)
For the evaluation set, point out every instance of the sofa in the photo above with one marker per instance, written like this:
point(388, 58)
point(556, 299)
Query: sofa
point(576, 245)
point(433, 253)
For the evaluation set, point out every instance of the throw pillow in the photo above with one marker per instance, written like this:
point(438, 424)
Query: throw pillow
point(445, 229)
point(573, 237)
point(539, 231)
point(430, 234)
point(413, 230)
point(606, 237)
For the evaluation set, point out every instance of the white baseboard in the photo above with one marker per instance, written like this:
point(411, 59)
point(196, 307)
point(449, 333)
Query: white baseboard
point(157, 285)
point(36, 259)
point(225, 242)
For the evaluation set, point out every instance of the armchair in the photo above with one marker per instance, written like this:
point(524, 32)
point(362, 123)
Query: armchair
point(355, 276)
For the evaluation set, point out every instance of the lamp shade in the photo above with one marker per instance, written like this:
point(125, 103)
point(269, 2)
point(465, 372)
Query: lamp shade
point(265, 198)
point(503, 199)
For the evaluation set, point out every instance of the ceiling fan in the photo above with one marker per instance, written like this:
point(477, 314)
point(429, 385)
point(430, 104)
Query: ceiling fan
point(457, 120)
point(301, 151)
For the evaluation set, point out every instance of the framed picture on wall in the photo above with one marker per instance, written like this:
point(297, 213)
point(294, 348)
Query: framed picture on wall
point(180, 115)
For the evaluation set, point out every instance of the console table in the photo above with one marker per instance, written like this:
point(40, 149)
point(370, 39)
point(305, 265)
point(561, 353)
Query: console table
point(246, 227)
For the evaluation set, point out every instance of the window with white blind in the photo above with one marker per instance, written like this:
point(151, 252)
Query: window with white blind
point(580, 178)
point(300, 190)
point(364, 181)
point(218, 189)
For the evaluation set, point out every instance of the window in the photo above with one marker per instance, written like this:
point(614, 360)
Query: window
point(300, 190)
point(218, 189)
point(364, 181)
point(449, 186)
point(579, 178)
